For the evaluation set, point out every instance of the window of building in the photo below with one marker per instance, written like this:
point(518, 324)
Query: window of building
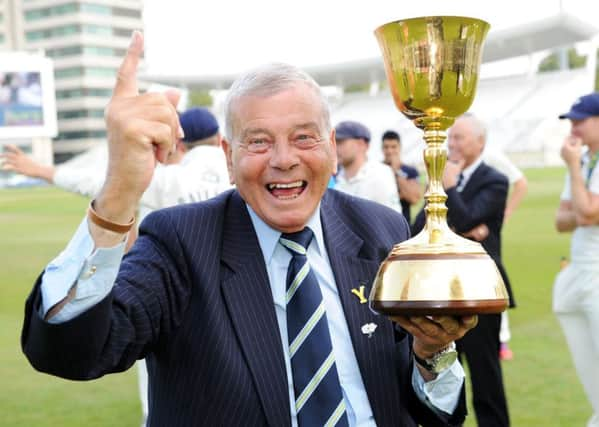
point(45, 12)
point(96, 9)
point(82, 134)
point(78, 93)
point(78, 114)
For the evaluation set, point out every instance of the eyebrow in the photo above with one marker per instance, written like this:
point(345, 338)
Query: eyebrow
point(255, 131)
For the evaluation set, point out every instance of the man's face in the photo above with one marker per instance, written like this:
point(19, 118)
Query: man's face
point(350, 150)
point(463, 143)
point(587, 130)
point(281, 157)
point(391, 151)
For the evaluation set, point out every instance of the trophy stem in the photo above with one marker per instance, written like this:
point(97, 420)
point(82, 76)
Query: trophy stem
point(435, 157)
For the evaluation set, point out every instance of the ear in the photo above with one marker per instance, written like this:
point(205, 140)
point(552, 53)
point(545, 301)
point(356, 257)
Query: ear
point(228, 150)
point(333, 142)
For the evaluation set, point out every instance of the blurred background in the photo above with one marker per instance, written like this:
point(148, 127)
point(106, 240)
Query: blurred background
point(58, 60)
point(538, 58)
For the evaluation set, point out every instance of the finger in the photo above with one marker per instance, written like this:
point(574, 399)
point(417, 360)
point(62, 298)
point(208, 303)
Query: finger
point(13, 149)
point(8, 157)
point(426, 326)
point(126, 80)
point(162, 107)
point(449, 324)
point(160, 136)
point(469, 322)
point(173, 97)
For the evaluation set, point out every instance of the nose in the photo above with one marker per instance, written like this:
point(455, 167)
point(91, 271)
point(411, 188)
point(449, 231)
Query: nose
point(283, 156)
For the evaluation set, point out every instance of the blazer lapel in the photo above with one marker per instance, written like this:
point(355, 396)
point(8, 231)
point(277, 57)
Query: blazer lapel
point(247, 293)
point(375, 352)
point(474, 181)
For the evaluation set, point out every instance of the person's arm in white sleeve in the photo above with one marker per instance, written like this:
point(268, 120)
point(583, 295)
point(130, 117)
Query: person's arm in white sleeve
point(86, 182)
point(517, 193)
point(385, 189)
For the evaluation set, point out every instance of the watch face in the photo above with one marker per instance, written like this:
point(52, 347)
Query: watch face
point(443, 361)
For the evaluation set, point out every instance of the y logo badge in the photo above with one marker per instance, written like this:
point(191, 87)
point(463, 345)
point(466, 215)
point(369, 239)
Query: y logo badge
point(360, 294)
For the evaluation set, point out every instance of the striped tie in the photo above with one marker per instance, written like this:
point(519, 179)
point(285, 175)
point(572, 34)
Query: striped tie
point(318, 396)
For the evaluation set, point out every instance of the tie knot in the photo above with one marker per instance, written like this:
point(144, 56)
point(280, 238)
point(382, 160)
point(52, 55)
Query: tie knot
point(460, 181)
point(298, 242)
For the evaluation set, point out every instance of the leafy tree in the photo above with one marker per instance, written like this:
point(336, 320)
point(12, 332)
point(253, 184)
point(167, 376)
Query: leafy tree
point(200, 98)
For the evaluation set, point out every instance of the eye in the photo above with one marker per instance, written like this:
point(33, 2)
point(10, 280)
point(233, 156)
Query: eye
point(257, 144)
point(305, 140)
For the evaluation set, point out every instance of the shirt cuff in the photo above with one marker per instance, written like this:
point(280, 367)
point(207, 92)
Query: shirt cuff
point(443, 392)
point(92, 271)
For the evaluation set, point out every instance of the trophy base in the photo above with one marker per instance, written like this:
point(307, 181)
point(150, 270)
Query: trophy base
point(439, 308)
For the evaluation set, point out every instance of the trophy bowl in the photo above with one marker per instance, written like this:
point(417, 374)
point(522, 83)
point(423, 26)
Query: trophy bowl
point(432, 65)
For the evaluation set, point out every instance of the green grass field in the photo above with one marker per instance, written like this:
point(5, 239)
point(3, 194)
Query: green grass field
point(35, 224)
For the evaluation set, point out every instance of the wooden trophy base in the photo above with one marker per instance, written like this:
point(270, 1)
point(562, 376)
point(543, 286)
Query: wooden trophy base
point(439, 308)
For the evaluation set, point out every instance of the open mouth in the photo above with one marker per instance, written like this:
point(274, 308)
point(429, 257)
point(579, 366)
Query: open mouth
point(288, 190)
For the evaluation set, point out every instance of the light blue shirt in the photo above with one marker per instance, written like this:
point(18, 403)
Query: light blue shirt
point(93, 272)
point(441, 393)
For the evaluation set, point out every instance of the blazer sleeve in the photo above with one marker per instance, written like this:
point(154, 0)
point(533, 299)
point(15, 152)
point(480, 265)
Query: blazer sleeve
point(421, 413)
point(488, 201)
point(147, 303)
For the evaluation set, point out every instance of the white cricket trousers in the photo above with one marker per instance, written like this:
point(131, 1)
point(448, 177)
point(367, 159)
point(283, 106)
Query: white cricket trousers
point(576, 305)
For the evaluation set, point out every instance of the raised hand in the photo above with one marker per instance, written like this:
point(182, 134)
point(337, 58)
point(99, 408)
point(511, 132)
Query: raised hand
point(142, 129)
point(571, 151)
point(451, 173)
point(15, 160)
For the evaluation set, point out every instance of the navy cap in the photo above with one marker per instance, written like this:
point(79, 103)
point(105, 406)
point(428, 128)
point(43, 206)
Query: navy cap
point(586, 106)
point(353, 130)
point(198, 123)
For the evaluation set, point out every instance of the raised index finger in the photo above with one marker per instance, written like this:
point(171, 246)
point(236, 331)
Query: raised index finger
point(126, 79)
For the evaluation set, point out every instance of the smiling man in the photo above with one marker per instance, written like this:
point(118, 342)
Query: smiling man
point(248, 307)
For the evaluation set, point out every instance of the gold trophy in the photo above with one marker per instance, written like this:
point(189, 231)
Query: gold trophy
point(432, 66)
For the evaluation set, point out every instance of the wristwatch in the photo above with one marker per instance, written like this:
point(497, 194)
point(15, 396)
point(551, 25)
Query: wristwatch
point(439, 361)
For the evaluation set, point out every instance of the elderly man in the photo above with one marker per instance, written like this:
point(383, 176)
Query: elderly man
point(249, 308)
point(476, 194)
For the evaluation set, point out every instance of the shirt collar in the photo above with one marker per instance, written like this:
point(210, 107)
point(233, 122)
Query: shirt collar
point(268, 237)
point(467, 172)
point(364, 169)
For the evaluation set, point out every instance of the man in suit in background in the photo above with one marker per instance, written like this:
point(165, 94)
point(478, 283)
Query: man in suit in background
point(249, 307)
point(476, 194)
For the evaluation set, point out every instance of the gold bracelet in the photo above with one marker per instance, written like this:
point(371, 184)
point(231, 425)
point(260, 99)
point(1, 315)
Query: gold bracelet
point(106, 224)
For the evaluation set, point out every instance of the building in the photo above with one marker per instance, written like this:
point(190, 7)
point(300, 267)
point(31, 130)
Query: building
point(86, 40)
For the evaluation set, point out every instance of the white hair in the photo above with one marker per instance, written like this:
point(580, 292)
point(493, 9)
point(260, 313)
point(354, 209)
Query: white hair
point(269, 80)
point(478, 127)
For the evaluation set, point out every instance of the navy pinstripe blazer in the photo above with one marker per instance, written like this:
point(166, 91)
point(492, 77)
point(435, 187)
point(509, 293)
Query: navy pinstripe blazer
point(193, 297)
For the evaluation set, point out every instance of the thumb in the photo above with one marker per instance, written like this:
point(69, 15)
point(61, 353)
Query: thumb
point(173, 97)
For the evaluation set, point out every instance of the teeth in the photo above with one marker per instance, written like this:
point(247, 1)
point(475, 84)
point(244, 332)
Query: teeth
point(294, 196)
point(290, 185)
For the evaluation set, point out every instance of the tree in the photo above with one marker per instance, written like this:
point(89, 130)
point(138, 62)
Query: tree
point(551, 63)
point(200, 98)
